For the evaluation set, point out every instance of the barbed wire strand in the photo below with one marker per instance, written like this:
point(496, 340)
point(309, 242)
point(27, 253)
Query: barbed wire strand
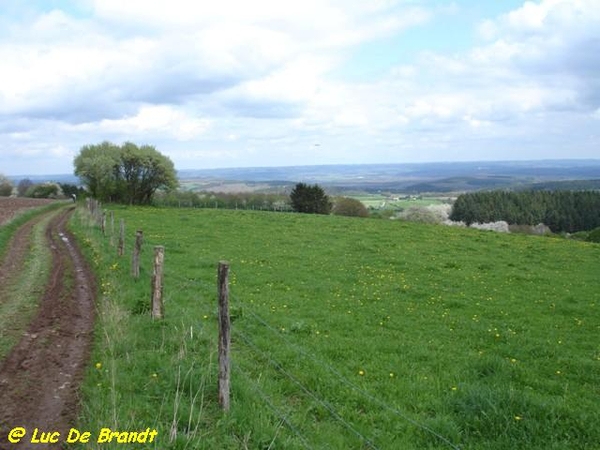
point(352, 385)
point(331, 410)
point(341, 377)
point(256, 388)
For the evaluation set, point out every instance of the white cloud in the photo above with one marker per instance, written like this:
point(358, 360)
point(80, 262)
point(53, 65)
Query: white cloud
point(154, 121)
point(244, 81)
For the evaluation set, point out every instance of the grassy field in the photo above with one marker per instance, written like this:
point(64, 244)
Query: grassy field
point(347, 334)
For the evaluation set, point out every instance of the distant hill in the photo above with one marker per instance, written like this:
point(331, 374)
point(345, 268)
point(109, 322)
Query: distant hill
point(59, 178)
point(410, 178)
point(413, 178)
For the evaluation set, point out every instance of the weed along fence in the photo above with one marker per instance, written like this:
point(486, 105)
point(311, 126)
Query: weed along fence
point(265, 380)
point(157, 308)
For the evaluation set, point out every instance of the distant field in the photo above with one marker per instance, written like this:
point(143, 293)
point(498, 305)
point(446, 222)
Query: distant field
point(347, 334)
point(11, 207)
point(224, 186)
point(379, 201)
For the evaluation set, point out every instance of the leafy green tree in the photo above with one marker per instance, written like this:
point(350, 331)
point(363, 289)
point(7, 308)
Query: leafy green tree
point(97, 167)
point(6, 187)
point(124, 174)
point(310, 199)
point(345, 206)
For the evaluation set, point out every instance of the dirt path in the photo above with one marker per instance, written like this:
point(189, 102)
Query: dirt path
point(40, 376)
point(16, 254)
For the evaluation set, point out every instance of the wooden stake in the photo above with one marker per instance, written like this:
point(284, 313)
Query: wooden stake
point(157, 306)
point(121, 247)
point(135, 266)
point(224, 334)
point(112, 228)
point(103, 223)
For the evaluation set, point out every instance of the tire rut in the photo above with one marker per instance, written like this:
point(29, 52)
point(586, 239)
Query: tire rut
point(39, 378)
point(16, 254)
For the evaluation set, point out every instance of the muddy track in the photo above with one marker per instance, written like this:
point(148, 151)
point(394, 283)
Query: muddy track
point(39, 378)
point(16, 253)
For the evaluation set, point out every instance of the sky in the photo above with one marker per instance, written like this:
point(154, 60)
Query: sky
point(234, 83)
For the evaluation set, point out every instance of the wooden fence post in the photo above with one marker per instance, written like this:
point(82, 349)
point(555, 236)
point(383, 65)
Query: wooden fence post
point(98, 214)
point(103, 223)
point(121, 247)
point(112, 228)
point(224, 334)
point(157, 306)
point(139, 239)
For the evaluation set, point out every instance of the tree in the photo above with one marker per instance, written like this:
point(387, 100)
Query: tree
point(97, 168)
point(44, 190)
point(345, 206)
point(69, 190)
point(125, 174)
point(310, 199)
point(6, 187)
point(23, 186)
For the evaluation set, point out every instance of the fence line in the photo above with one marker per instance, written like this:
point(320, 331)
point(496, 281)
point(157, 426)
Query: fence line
point(94, 208)
point(350, 384)
point(326, 405)
point(256, 388)
point(339, 376)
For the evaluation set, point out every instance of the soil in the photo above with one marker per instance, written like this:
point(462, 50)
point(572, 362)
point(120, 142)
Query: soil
point(11, 206)
point(39, 378)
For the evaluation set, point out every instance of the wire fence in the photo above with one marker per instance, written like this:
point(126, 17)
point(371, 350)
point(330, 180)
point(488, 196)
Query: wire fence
point(240, 332)
point(337, 375)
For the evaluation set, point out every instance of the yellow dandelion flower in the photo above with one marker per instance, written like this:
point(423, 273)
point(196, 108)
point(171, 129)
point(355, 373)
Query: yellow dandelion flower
point(361, 372)
point(98, 365)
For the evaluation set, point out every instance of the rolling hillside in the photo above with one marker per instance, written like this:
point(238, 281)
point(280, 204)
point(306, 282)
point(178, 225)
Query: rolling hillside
point(347, 333)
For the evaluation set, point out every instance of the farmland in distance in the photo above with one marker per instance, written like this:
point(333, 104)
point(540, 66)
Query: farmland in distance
point(347, 333)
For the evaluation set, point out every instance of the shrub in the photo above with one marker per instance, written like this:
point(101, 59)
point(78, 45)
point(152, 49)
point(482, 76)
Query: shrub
point(419, 214)
point(580, 236)
point(499, 226)
point(345, 206)
point(23, 187)
point(45, 190)
point(6, 186)
point(594, 235)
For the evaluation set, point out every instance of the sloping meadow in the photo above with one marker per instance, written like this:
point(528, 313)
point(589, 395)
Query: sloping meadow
point(346, 333)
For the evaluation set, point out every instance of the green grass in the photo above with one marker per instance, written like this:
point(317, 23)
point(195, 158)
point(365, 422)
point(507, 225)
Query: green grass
point(348, 333)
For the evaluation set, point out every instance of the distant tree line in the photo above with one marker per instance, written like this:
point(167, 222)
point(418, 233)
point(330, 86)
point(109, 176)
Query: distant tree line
point(49, 189)
point(303, 198)
point(562, 211)
point(221, 200)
